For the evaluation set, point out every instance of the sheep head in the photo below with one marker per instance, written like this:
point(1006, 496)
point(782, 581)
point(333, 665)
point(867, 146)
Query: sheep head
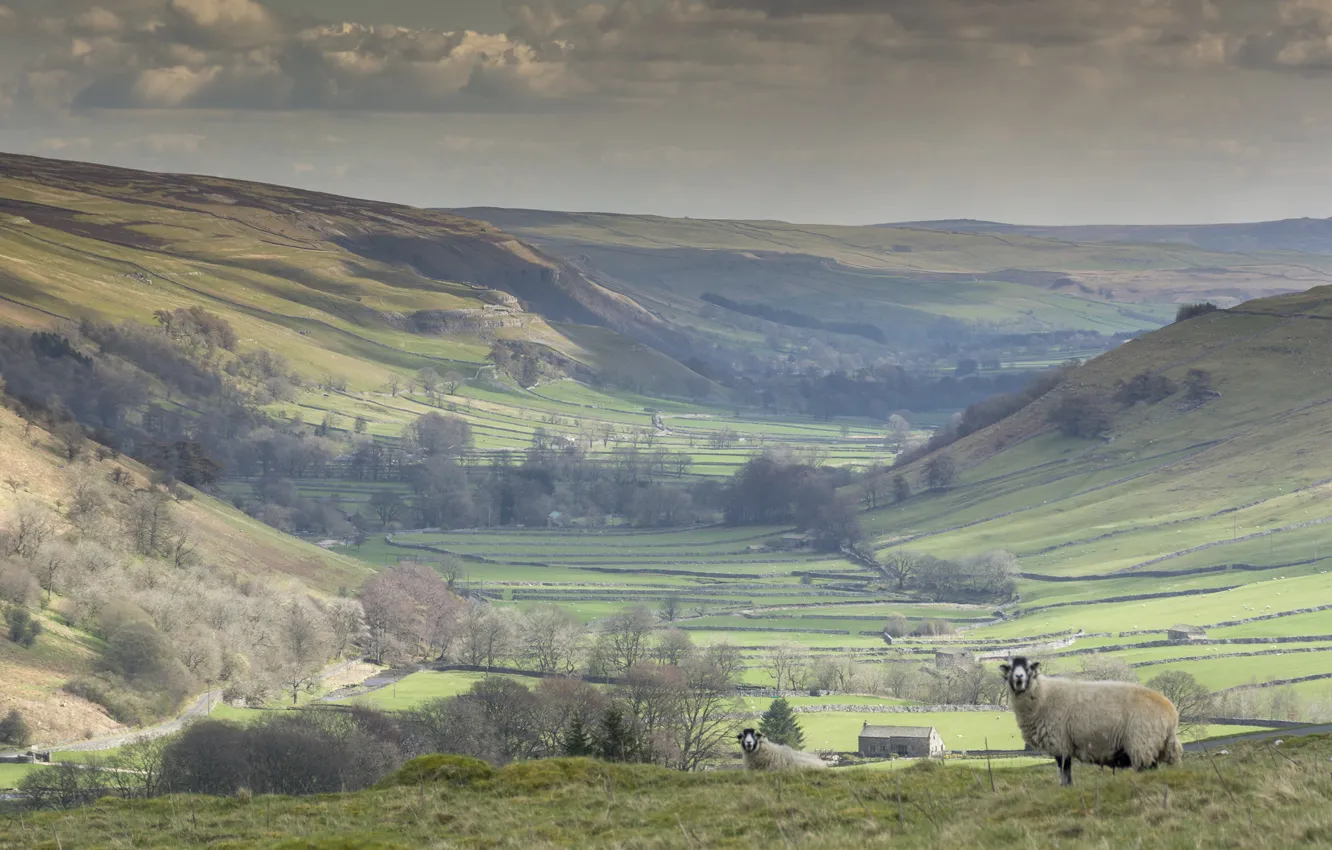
point(749, 740)
point(1020, 675)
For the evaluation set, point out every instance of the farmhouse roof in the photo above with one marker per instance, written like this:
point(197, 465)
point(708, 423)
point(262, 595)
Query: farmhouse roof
point(1183, 627)
point(896, 731)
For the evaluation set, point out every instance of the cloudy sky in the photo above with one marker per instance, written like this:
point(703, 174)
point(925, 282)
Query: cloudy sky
point(846, 111)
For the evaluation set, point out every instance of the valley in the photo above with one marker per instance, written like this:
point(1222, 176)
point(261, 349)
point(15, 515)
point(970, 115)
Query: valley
point(594, 418)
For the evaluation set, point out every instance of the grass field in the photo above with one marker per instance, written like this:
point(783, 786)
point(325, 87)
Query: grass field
point(1222, 802)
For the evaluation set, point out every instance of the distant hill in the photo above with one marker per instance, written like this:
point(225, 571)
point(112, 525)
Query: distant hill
point(1299, 235)
point(1235, 472)
point(920, 283)
point(341, 286)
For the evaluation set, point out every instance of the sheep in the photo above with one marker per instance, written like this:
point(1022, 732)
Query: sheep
point(762, 754)
point(1111, 724)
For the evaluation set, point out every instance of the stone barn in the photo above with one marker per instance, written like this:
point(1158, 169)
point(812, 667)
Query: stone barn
point(917, 742)
point(1184, 633)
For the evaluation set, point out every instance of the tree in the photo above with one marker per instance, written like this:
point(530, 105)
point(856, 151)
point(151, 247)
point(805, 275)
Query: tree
point(672, 646)
point(1080, 415)
point(940, 471)
point(624, 637)
point(72, 439)
point(1192, 699)
point(428, 378)
point(670, 608)
point(486, 636)
point(14, 730)
point(780, 726)
point(302, 649)
point(29, 528)
point(394, 385)
point(615, 739)
point(901, 488)
point(552, 639)
point(387, 505)
point(147, 521)
point(1105, 668)
point(1189, 311)
point(896, 626)
point(437, 434)
point(577, 741)
point(706, 704)
point(781, 662)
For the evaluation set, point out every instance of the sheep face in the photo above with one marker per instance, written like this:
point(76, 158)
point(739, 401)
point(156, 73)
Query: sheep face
point(749, 740)
point(1020, 675)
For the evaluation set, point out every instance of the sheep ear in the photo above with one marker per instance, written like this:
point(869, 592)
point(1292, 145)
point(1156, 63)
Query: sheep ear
point(1004, 670)
point(758, 736)
point(1035, 665)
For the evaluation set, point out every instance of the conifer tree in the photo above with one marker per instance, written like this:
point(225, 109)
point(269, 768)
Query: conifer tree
point(780, 726)
point(616, 739)
point(576, 740)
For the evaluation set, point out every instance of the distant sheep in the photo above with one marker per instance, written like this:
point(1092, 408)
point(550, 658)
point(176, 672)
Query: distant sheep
point(762, 754)
point(1112, 724)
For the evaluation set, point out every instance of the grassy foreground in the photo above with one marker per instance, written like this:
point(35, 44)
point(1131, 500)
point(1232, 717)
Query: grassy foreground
point(1212, 801)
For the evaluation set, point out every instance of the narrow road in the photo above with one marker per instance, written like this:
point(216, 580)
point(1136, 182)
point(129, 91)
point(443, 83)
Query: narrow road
point(1266, 735)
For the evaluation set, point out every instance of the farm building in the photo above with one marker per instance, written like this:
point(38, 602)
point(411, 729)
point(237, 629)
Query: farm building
point(794, 541)
point(1183, 633)
point(905, 741)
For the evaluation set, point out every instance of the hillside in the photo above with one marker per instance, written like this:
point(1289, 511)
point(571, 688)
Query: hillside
point(226, 547)
point(350, 288)
point(1299, 235)
point(921, 286)
point(1209, 510)
point(1211, 801)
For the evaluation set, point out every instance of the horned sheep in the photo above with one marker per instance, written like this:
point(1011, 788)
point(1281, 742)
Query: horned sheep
point(761, 754)
point(1112, 724)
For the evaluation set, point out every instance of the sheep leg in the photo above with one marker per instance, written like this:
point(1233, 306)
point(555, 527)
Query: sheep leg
point(1065, 765)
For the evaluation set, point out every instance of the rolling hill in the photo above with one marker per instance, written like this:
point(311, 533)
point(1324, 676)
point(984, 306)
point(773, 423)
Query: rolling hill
point(920, 284)
point(1210, 510)
point(352, 288)
point(1299, 235)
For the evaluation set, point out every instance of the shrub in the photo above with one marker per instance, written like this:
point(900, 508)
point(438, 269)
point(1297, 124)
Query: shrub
point(14, 730)
point(23, 627)
point(896, 626)
point(1144, 387)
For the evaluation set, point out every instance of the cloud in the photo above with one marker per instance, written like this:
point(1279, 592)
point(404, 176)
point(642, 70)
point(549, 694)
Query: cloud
point(240, 54)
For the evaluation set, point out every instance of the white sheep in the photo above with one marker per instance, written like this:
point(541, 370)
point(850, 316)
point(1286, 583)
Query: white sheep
point(1112, 724)
point(762, 754)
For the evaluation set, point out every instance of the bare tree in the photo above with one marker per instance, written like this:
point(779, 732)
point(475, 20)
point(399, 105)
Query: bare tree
point(672, 647)
point(303, 649)
point(1192, 699)
point(50, 562)
point(706, 704)
point(29, 527)
point(147, 521)
point(486, 637)
point(780, 661)
point(624, 637)
point(551, 639)
point(346, 626)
